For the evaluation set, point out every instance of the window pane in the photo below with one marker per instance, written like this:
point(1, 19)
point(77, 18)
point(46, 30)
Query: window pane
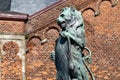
point(30, 6)
point(5, 5)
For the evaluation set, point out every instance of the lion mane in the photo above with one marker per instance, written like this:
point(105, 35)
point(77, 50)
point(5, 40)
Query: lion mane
point(70, 17)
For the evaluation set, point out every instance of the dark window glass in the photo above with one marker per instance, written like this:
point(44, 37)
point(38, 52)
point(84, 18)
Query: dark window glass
point(5, 5)
point(30, 6)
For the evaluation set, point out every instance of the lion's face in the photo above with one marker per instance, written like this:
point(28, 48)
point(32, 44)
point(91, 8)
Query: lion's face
point(69, 17)
point(65, 18)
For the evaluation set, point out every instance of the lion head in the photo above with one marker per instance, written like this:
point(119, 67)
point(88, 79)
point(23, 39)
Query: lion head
point(69, 17)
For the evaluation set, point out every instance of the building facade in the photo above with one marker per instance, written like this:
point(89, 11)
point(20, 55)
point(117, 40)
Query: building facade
point(101, 19)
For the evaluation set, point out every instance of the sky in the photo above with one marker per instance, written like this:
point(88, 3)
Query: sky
point(30, 6)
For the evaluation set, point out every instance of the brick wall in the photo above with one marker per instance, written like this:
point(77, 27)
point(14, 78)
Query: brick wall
point(11, 27)
point(39, 27)
point(102, 36)
point(11, 63)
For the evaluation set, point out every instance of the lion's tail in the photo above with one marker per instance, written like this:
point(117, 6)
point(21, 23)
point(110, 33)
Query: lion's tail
point(87, 67)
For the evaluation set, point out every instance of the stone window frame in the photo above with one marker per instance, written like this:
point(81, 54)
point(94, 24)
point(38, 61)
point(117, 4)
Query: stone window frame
point(20, 40)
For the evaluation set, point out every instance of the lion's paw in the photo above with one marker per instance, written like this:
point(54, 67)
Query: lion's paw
point(52, 56)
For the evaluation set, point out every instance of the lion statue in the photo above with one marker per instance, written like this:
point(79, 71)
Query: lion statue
point(69, 46)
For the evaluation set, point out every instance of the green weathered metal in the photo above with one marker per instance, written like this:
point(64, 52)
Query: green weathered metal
point(69, 58)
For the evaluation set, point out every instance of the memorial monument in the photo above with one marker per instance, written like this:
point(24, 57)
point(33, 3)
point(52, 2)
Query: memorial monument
point(69, 58)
